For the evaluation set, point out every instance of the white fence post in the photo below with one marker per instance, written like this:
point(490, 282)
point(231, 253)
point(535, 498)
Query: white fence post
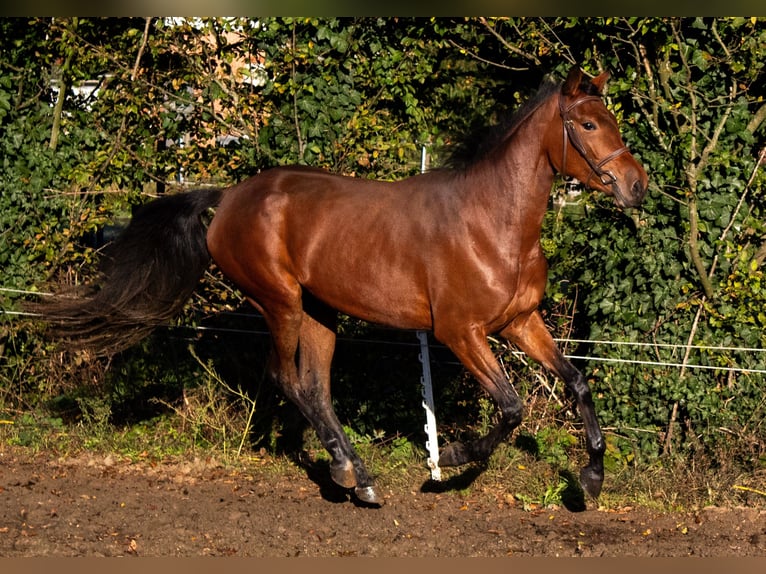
point(432, 444)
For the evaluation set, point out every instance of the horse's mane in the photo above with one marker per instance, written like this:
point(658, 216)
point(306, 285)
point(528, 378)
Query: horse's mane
point(479, 143)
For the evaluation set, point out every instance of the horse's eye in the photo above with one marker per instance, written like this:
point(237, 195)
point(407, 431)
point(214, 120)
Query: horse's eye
point(589, 126)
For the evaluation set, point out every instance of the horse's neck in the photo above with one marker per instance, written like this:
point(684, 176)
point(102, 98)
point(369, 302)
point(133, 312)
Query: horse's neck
point(515, 184)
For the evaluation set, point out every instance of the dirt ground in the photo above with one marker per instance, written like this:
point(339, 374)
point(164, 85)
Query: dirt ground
point(103, 506)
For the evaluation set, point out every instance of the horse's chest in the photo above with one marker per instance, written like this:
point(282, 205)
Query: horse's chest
point(525, 286)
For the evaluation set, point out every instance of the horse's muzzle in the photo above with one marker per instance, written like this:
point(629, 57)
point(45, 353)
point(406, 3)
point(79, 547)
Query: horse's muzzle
point(632, 196)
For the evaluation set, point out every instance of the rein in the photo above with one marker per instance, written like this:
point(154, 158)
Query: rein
point(605, 176)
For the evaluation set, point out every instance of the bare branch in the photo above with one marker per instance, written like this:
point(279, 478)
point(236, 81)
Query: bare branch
point(510, 47)
point(468, 52)
point(301, 143)
point(713, 140)
point(762, 250)
point(757, 120)
point(653, 116)
point(141, 48)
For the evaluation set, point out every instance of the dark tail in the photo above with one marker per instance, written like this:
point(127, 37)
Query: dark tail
point(147, 275)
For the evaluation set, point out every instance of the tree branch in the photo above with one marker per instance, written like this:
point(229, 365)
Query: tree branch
point(296, 121)
point(653, 116)
point(694, 251)
point(508, 46)
point(64, 83)
point(141, 48)
point(757, 119)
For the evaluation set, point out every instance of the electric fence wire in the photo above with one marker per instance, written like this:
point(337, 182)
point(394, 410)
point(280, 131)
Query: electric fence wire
point(561, 341)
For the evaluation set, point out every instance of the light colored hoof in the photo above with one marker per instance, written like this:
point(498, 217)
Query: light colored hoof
point(369, 495)
point(344, 475)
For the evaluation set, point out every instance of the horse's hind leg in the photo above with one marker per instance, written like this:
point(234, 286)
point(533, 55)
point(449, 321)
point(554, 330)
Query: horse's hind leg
point(532, 337)
point(315, 351)
point(307, 385)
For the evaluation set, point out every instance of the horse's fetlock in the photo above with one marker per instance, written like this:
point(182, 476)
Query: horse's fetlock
point(598, 446)
point(512, 413)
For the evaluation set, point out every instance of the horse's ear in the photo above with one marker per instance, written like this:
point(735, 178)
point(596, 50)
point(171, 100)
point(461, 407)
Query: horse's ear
point(572, 83)
point(600, 80)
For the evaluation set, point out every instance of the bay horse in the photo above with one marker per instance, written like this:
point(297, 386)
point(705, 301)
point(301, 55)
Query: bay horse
point(455, 251)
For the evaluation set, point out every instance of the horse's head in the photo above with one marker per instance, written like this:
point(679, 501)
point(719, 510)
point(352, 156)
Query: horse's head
point(589, 147)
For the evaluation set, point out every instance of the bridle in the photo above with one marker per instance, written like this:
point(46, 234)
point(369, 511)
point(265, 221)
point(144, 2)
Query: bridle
point(596, 168)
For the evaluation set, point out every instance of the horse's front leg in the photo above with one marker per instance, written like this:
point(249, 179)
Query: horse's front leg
point(472, 349)
point(530, 334)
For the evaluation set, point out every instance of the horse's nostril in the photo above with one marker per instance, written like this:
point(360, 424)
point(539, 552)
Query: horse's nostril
point(638, 190)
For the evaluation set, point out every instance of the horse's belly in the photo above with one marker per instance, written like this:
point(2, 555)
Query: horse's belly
point(387, 296)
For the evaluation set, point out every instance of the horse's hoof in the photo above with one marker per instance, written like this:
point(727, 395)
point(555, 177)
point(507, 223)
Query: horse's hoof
point(369, 495)
point(343, 474)
point(454, 454)
point(591, 481)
